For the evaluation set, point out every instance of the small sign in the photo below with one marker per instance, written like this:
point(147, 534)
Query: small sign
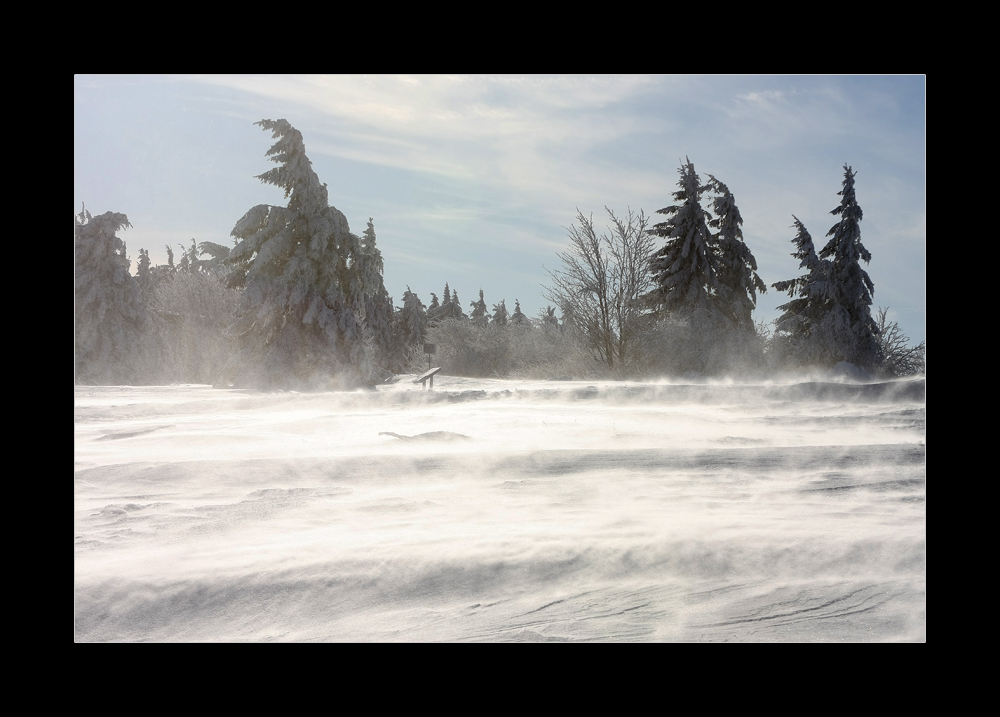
point(430, 348)
point(427, 375)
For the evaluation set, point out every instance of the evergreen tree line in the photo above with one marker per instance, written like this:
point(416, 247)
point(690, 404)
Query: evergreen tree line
point(688, 305)
point(298, 301)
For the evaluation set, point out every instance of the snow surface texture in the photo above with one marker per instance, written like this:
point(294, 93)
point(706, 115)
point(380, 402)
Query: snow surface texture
point(579, 511)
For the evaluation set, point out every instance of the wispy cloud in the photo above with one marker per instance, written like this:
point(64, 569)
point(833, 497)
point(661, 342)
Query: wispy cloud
point(496, 130)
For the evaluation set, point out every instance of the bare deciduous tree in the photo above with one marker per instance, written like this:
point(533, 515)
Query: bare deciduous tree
point(901, 359)
point(601, 282)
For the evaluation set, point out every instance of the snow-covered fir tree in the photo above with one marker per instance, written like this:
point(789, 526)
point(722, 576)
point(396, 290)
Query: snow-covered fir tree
point(189, 258)
point(450, 307)
point(367, 264)
point(411, 320)
point(518, 318)
point(108, 305)
point(479, 316)
point(568, 320)
point(144, 276)
point(439, 311)
point(500, 313)
point(800, 330)
point(218, 253)
point(456, 307)
point(850, 315)
point(298, 265)
point(685, 269)
point(373, 303)
point(548, 317)
point(191, 312)
point(738, 281)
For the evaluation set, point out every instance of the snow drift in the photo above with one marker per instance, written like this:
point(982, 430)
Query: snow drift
point(577, 511)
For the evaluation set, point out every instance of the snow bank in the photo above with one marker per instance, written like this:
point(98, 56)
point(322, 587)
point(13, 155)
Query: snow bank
point(577, 511)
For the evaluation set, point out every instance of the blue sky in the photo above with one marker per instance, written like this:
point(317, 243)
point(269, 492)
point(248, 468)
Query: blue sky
point(472, 180)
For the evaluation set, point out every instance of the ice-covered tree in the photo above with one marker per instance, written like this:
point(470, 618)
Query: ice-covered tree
point(144, 275)
point(189, 258)
point(811, 291)
point(500, 313)
point(450, 307)
point(412, 320)
point(850, 316)
point(373, 303)
point(218, 253)
point(367, 264)
point(191, 312)
point(738, 282)
point(299, 266)
point(456, 307)
point(548, 317)
point(479, 316)
point(601, 282)
point(801, 329)
point(108, 307)
point(899, 357)
point(685, 270)
point(439, 311)
point(518, 318)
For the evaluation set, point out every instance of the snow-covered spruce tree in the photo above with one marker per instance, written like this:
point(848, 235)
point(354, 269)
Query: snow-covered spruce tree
point(192, 311)
point(411, 321)
point(164, 272)
point(144, 276)
point(108, 306)
point(569, 322)
point(155, 350)
point(518, 318)
point(705, 286)
point(445, 309)
point(189, 258)
point(801, 334)
point(849, 319)
point(373, 302)
point(479, 316)
point(297, 325)
point(456, 308)
point(737, 269)
point(500, 313)
point(218, 252)
point(686, 269)
point(438, 312)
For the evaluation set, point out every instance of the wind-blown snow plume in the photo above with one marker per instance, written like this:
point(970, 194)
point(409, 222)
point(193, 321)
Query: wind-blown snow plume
point(502, 510)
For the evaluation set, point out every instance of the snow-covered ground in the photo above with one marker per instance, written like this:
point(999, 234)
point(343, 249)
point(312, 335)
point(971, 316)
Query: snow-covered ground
point(576, 511)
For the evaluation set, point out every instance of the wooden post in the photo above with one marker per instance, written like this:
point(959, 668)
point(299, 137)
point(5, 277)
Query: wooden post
point(430, 349)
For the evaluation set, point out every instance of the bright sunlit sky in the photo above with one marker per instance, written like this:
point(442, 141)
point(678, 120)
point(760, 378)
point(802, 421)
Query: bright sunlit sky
point(472, 180)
